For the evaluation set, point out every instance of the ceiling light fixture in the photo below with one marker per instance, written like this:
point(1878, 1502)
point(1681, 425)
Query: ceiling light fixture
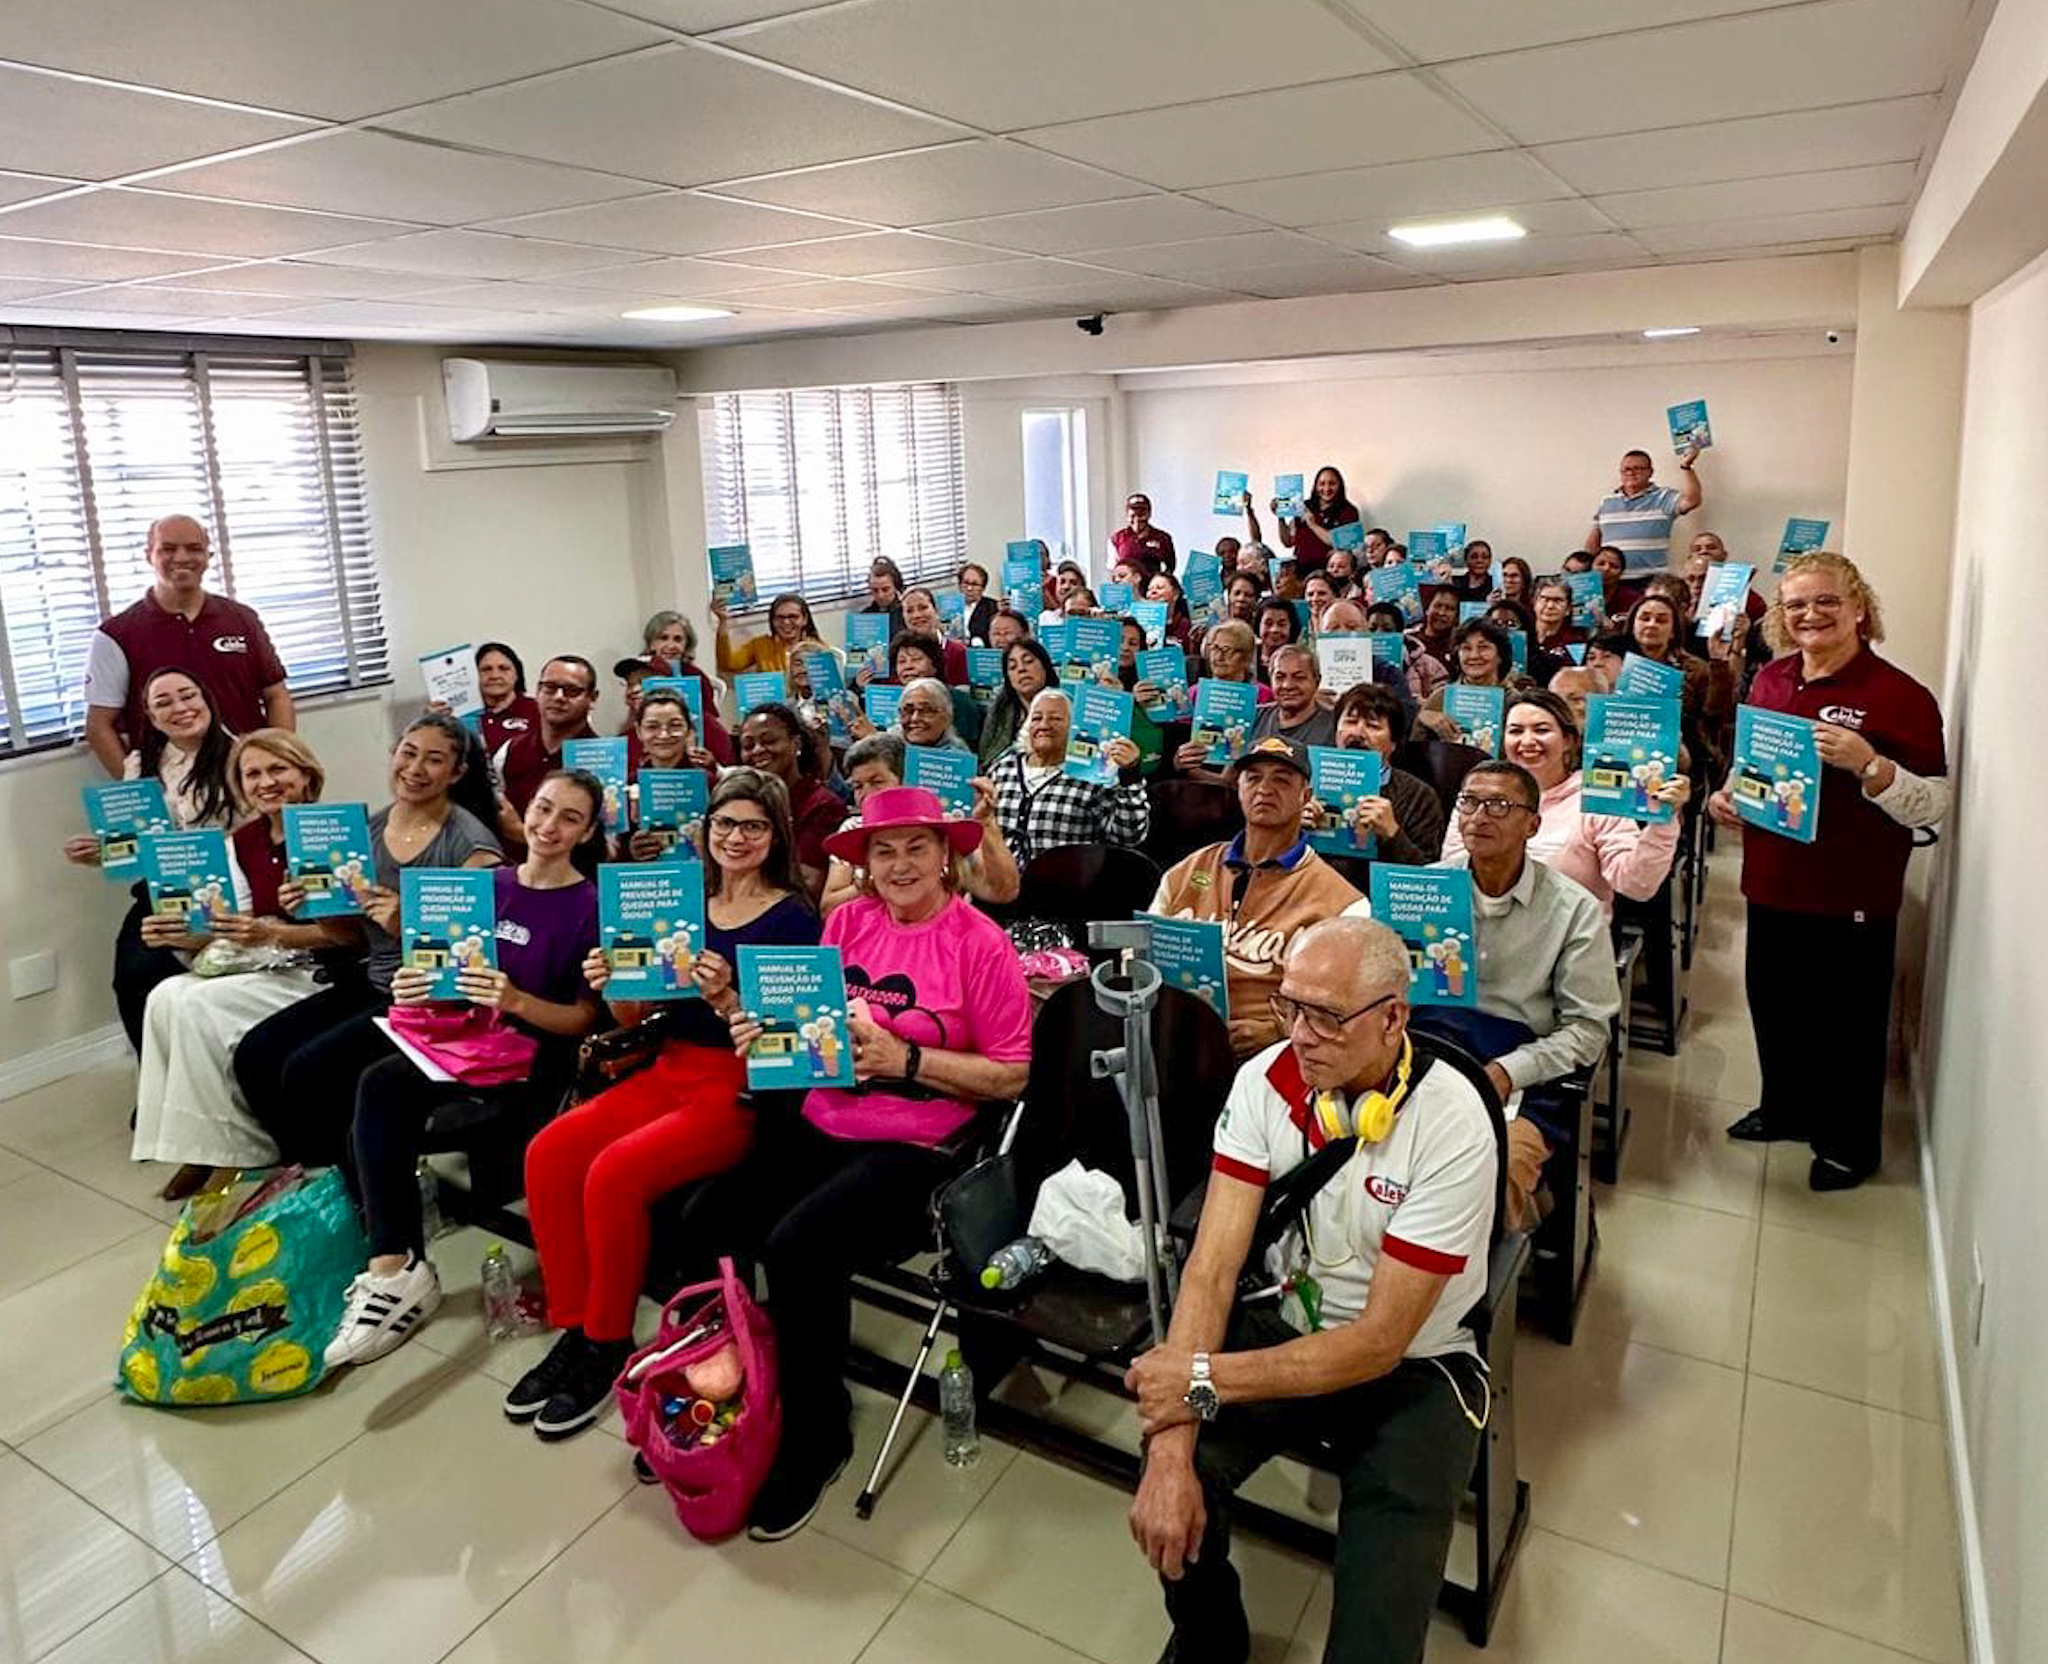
point(1490, 228)
point(676, 314)
point(1668, 333)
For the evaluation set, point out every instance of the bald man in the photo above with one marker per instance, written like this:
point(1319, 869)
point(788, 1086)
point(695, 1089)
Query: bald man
point(219, 642)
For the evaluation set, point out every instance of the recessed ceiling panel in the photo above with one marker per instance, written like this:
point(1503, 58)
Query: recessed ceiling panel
point(1399, 190)
point(1128, 224)
point(53, 124)
point(470, 254)
point(951, 182)
point(675, 222)
point(1749, 199)
point(148, 219)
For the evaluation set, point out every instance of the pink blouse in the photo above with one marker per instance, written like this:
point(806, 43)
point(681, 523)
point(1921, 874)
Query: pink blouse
point(1604, 853)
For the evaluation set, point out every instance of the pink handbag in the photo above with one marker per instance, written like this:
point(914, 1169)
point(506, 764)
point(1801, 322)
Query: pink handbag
point(710, 1457)
point(468, 1041)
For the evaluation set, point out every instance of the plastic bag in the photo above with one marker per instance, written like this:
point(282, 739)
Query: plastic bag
point(1079, 1215)
point(248, 1293)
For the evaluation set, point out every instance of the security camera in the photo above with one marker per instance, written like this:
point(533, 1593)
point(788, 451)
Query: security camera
point(1089, 326)
point(1834, 337)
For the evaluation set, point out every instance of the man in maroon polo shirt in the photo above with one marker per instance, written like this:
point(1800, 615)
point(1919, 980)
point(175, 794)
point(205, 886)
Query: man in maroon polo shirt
point(1139, 541)
point(220, 642)
point(566, 691)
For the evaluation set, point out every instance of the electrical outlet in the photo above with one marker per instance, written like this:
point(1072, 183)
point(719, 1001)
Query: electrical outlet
point(1976, 1295)
point(32, 973)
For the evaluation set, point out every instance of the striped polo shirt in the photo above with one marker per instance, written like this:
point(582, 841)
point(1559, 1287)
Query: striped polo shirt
point(1640, 526)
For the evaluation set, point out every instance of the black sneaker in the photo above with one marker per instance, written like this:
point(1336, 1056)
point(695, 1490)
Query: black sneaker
point(1759, 1126)
point(540, 1383)
point(789, 1499)
point(1828, 1174)
point(580, 1398)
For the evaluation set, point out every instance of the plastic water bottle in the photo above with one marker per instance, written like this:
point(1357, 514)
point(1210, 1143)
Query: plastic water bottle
point(1016, 1263)
point(430, 1202)
point(956, 1408)
point(501, 1295)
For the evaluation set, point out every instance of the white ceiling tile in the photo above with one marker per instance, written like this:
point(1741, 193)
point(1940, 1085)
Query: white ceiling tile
point(1324, 277)
point(1126, 224)
point(1006, 64)
point(23, 187)
point(1860, 223)
point(1433, 31)
point(1566, 217)
point(469, 254)
point(22, 257)
point(1855, 135)
point(1383, 118)
point(995, 277)
point(1208, 259)
point(52, 124)
point(829, 294)
point(952, 182)
point(683, 115)
point(326, 59)
point(1789, 58)
point(1752, 199)
point(866, 255)
point(1114, 291)
point(383, 314)
point(680, 278)
point(26, 288)
point(1530, 256)
point(122, 218)
point(288, 278)
point(697, 17)
point(383, 175)
point(165, 300)
point(1436, 187)
point(66, 312)
point(675, 222)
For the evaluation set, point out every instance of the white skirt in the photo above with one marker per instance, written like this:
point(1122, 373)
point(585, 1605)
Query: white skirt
point(188, 1107)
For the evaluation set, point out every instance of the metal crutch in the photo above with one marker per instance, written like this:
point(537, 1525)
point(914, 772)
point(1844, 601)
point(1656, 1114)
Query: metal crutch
point(1137, 1076)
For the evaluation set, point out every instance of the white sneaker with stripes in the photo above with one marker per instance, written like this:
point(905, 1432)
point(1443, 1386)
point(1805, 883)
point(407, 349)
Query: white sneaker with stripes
point(381, 1313)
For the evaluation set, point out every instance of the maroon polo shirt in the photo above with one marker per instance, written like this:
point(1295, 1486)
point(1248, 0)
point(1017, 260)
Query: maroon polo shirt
point(528, 762)
point(263, 864)
point(224, 646)
point(1856, 867)
point(1151, 548)
point(521, 716)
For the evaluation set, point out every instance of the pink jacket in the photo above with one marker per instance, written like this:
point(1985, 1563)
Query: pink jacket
point(1604, 853)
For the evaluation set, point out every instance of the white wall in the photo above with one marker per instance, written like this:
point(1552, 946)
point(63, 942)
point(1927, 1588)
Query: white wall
point(1984, 1065)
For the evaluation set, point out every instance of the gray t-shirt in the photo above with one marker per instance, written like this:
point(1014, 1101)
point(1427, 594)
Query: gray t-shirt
point(1319, 727)
point(460, 837)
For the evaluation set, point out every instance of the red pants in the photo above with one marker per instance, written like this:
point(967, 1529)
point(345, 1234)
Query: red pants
point(592, 1174)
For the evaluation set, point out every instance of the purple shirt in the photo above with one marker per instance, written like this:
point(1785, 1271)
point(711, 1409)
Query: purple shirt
point(543, 936)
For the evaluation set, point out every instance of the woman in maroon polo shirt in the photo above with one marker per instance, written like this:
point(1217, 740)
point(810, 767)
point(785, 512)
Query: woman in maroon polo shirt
point(1823, 917)
point(509, 710)
point(1328, 506)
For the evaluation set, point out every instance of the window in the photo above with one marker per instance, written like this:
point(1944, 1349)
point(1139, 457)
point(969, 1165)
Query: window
point(819, 482)
point(98, 440)
point(1056, 481)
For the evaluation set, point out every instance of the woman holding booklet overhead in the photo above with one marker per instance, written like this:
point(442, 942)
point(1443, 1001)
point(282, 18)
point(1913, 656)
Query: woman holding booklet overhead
point(789, 622)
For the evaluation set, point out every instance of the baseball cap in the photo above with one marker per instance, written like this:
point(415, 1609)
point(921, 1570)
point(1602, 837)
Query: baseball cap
point(1274, 749)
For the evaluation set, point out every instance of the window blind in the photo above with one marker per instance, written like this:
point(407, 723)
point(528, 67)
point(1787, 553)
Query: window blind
point(819, 481)
point(96, 442)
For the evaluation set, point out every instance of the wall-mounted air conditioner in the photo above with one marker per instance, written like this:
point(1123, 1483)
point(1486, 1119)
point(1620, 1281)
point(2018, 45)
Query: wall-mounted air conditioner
point(490, 398)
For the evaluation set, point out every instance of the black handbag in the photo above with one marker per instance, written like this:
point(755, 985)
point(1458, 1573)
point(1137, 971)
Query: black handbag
point(976, 1214)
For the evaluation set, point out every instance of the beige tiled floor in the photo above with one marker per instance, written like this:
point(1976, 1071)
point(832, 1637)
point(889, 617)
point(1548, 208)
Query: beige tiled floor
point(1740, 1460)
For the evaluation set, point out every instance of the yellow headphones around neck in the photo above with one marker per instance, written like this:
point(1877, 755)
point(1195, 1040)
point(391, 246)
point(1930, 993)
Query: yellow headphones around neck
point(1371, 1118)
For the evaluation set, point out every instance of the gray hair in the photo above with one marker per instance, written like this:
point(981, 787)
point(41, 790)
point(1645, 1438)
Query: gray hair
point(1377, 956)
point(1295, 649)
point(661, 621)
point(884, 748)
point(932, 685)
point(1255, 547)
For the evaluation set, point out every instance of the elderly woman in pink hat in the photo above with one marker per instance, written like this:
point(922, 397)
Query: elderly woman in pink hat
point(939, 1020)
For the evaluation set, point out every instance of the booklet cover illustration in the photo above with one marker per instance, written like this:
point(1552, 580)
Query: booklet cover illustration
point(1631, 751)
point(1775, 780)
point(451, 679)
point(1453, 534)
point(828, 693)
point(1802, 537)
point(1398, 586)
point(1092, 648)
point(1690, 429)
point(952, 606)
point(1589, 599)
point(671, 804)
point(1151, 618)
point(1426, 548)
point(751, 688)
point(1100, 715)
point(1116, 598)
point(327, 851)
point(945, 773)
point(1723, 595)
point(984, 673)
point(1430, 909)
point(1350, 535)
point(118, 813)
point(1288, 496)
point(1224, 714)
point(732, 574)
point(1166, 668)
point(867, 639)
point(798, 996)
point(1189, 955)
point(190, 876)
point(1476, 712)
point(1340, 781)
point(882, 700)
point(1230, 491)
point(448, 924)
point(1641, 678)
point(650, 927)
point(1469, 610)
point(605, 758)
point(1204, 575)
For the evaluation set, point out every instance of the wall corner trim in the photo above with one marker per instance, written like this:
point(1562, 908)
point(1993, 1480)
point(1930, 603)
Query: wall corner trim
point(65, 1058)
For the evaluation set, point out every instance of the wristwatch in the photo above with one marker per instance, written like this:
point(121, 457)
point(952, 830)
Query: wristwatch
point(1201, 1394)
point(1871, 769)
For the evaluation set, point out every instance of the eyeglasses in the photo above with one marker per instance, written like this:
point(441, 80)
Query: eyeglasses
point(1323, 1024)
point(1494, 808)
point(1818, 603)
point(665, 730)
point(728, 826)
point(563, 690)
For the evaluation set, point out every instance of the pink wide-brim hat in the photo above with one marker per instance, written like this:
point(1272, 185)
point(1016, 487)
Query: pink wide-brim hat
point(897, 808)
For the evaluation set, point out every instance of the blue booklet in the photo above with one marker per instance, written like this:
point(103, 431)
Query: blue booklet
point(732, 574)
point(448, 924)
point(1056, 638)
point(867, 639)
point(1022, 568)
point(1723, 595)
point(118, 813)
point(1689, 427)
point(1641, 678)
point(1469, 610)
point(671, 804)
point(190, 876)
point(650, 926)
point(1151, 617)
point(798, 996)
point(829, 693)
point(1092, 649)
point(1453, 534)
point(1476, 712)
point(1166, 668)
point(984, 673)
point(327, 852)
point(952, 606)
point(1116, 598)
point(1203, 576)
point(1427, 547)
point(1399, 586)
point(881, 699)
point(1801, 537)
point(1289, 498)
point(1518, 649)
point(1305, 618)
point(1390, 650)
point(758, 687)
point(1430, 909)
point(1230, 491)
point(1631, 750)
point(1224, 714)
point(1350, 535)
point(1340, 781)
point(605, 758)
point(1575, 651)
point(686, 688)
point(1100, 715)
point(944, 772)
point(1189, 955)
point(1589, 599)
point(1346, 658)
point(1775, 778)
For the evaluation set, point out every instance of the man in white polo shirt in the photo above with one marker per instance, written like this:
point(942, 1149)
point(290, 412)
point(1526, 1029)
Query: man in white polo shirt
point(1364, 1345)
point(1636, 517)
